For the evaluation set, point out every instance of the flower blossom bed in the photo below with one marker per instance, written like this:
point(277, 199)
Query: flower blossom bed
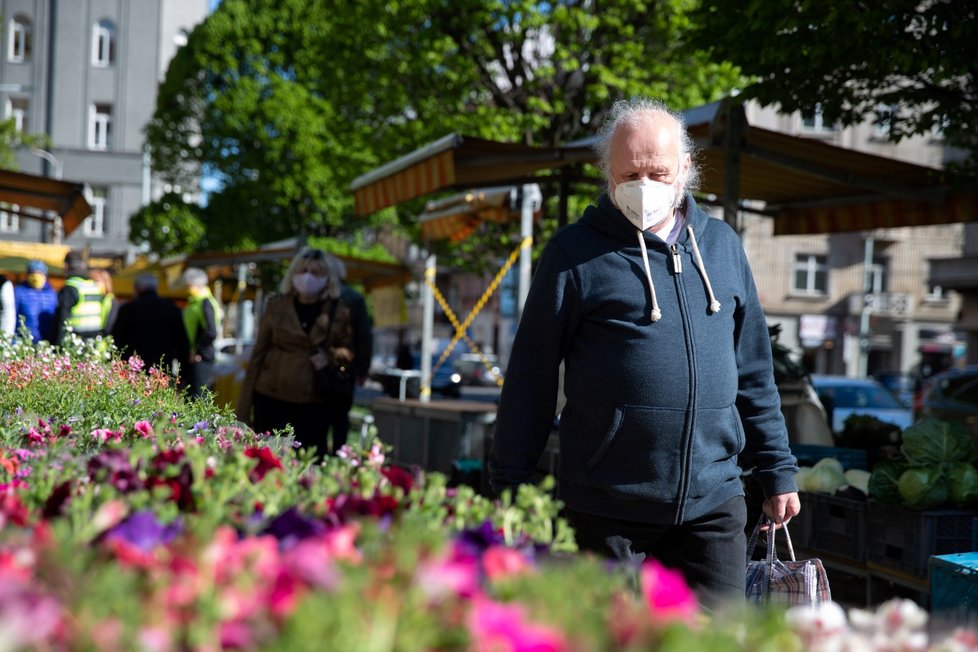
point(131, 519)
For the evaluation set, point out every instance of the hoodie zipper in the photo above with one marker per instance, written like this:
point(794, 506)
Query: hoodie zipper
point(677, 262)
point(687, 441)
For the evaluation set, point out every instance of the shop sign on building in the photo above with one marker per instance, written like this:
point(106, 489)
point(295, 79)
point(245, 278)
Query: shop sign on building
point(813, 330)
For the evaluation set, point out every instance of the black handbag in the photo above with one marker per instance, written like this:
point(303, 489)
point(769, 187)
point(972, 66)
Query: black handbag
point(334, 380)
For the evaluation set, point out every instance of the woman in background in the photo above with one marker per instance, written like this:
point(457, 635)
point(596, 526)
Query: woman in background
point(303, 328)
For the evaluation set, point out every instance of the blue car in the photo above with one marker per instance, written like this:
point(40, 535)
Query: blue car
point(843, 397)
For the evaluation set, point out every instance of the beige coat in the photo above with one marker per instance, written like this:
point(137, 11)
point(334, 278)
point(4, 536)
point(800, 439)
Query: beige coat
point(280, 365)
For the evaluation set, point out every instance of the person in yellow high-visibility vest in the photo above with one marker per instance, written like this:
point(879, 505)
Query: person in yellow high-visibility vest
point(79, 302)
point(202, 319)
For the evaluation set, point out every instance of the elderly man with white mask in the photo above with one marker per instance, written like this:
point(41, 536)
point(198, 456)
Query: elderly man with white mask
point(651, 306)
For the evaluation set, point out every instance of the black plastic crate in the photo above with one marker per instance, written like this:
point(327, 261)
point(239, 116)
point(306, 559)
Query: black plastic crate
point(838, 526)
point(904, 539)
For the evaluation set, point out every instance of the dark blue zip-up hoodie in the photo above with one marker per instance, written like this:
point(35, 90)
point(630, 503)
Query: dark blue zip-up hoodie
point(657, 412)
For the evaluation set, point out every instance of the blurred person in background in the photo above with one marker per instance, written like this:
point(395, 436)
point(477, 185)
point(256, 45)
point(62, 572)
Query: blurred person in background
point(8, 308)
point(202, 319)
point(151, 327)
point(110, 307)
point(304, 328)
point(79, 302)
point(363, 339)
point(35, 302)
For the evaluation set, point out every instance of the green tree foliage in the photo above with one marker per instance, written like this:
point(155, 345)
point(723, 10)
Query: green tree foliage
point(168, 226)
point(11, 140)
point(854, 59)
point(287, 102)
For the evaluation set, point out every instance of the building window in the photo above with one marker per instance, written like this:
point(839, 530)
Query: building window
point(19, 39)
point(103, 44)
point(883, 125)
point(811, 275)
point(9, 218)
point(94, 224)
point(17, 108)
point(814, 121)
point(100, 126)
point(878, 276)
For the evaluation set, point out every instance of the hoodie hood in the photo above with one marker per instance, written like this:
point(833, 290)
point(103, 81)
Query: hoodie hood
point(606, 218)
point(610, 220)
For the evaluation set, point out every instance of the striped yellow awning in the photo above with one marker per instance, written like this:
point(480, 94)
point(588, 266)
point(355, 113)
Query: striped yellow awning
point(961, 207)
point(455, 218)
point(451, 163)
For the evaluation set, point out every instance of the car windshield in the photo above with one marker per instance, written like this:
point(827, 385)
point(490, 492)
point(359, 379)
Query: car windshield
point(859, 396)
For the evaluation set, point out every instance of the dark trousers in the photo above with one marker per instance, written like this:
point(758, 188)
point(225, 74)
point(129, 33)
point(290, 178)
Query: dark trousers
point(198, 377)
point(310, 421)
point(710, 551)
point(340, 420)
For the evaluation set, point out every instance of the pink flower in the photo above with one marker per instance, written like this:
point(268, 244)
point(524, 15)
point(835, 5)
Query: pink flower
point(501, 561)
point(667, 594)
point(105, 434)
point(447, 578)
point(143, 427)
point(499, 627)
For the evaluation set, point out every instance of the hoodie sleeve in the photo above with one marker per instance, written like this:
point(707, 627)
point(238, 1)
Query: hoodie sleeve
point(529, 396)
point(758, 400)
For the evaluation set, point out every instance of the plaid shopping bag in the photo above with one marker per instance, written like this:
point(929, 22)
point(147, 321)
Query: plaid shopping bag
point(788, 583)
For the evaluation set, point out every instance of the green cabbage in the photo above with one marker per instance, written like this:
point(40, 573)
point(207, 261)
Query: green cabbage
point(858, 479)
point(883, 480)
point(931, 442)
point(923, 488)
point(824, 478)
point(963, 480)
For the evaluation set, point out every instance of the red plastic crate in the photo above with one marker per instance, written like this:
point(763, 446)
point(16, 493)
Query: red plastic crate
point(904, 539)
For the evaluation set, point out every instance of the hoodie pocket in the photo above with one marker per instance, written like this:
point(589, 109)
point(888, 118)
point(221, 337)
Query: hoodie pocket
point(640, 454)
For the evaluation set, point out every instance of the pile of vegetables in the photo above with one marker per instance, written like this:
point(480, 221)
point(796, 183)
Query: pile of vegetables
point(828, 476)
point(935, 468)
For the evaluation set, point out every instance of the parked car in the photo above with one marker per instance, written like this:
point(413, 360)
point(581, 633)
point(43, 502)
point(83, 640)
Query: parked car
point(844, 397)
point(953, 396)
point(473, 370)
point(900, 385)
point(445, 381)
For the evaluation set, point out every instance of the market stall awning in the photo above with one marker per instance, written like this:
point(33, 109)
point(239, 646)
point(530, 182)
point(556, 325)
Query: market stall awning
point(805, 185)
point(369, 273)
point(451, 162)
point(15, 254)
point(42, 194)
point(456, 217)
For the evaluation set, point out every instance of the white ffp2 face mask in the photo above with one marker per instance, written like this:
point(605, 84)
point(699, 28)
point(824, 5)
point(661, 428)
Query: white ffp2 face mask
point(645, 203)
point(309, 284)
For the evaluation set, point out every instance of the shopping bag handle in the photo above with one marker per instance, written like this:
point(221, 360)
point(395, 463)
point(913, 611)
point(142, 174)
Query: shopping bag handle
point(771, 533)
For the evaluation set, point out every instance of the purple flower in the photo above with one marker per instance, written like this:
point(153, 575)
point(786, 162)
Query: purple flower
point(291, 526)
point(143, 530)
point(201, 425)
point(477, 540)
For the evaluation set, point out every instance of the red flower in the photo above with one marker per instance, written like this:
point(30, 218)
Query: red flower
point(266, 461)
point(398, 477)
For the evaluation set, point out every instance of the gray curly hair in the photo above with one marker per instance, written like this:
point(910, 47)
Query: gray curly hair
point(634, 112)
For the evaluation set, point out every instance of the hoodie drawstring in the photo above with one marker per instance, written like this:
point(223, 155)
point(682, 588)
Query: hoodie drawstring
point(714, 304)
point(656, 313)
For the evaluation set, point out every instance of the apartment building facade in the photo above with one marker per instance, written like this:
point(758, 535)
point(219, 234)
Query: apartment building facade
point(816, 286)
point(85, 72)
